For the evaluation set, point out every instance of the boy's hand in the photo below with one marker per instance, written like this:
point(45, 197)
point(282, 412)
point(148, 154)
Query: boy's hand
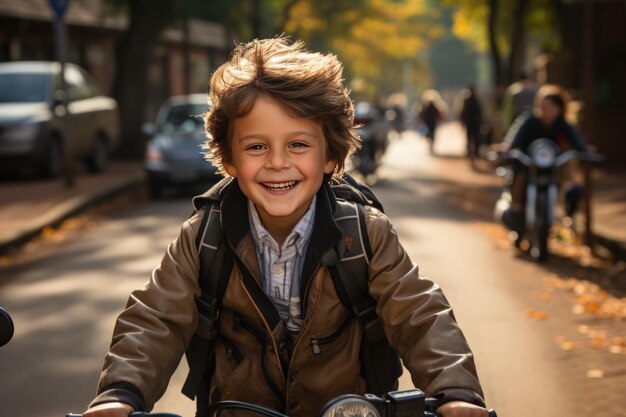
point(461, 409)
point(109, 410)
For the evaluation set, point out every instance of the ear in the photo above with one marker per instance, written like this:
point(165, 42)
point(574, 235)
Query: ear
point(329, 167)
point(230, 169)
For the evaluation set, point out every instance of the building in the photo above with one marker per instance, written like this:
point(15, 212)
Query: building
point(26, 33)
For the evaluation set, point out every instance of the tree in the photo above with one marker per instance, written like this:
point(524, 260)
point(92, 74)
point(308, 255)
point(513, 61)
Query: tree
point(506, 28)
point(374, 39)
point(134, 51)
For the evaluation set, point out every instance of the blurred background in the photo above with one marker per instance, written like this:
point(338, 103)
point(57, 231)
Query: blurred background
point(141, 52)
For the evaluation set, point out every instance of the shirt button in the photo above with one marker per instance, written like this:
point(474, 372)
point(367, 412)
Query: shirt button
point(278, 269)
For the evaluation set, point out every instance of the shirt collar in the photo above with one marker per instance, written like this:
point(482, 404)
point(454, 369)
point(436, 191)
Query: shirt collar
point(298, 237)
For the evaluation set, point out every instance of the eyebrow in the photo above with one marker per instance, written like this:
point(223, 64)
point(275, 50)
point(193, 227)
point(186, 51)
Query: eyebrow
point(294, 133)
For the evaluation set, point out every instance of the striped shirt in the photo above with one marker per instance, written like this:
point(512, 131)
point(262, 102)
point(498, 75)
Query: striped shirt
point(281, 266)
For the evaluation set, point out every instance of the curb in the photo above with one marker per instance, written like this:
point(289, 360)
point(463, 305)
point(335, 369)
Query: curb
point(67, 209)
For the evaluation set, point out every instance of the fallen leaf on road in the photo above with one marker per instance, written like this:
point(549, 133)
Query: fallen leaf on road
point(48, 232)
point(568, 345)
point(599, 342)
point(536, 314)
point(595, 373)
point(619, 341)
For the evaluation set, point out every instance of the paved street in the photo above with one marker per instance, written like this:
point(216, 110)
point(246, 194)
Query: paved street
point(64, 304)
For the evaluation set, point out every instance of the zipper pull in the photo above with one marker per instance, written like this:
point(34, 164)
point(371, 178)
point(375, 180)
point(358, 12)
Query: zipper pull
point(316, 346)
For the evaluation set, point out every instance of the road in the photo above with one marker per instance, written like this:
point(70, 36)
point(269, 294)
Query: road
point(64, 305)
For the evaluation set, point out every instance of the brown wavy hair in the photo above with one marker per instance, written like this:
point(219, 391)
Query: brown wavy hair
point(306, 84)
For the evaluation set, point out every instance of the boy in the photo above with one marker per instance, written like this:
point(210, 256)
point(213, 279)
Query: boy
point(281, 124)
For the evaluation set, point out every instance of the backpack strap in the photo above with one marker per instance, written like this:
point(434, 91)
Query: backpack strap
point(215, 268)
point(348, 266)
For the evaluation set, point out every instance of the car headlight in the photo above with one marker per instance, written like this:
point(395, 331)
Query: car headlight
point(349, 406)
point(22, 132)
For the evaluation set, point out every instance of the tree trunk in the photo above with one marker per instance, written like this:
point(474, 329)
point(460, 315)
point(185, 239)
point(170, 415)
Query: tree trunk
point(565, 22)
point(134, 53)
point(495, 51)
point(255, 19)
point(518, 42)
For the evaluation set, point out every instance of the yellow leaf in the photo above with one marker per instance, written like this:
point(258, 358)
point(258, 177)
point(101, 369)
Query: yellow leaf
point(598, 342)
point(592, 307)
point(568, 345)
point(619, 341)
point(536, 314)
point(583, 329)
point(595, 373)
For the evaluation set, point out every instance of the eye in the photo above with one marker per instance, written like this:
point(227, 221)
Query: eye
point(255, 147)
point(298, 145)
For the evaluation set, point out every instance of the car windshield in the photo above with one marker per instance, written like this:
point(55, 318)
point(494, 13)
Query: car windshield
point(180, 114)
point(23, 88)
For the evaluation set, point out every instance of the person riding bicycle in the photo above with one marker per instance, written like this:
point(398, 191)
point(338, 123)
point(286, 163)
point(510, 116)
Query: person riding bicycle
point(280, 126)
point(547, 121)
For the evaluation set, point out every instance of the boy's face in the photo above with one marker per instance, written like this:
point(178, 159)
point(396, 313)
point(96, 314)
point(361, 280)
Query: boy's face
point(279, 161)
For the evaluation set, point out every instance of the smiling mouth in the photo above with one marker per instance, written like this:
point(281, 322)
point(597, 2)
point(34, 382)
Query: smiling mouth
point(280, 186)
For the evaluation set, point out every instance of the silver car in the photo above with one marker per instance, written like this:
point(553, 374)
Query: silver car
point(174, 154)
point(31, 117)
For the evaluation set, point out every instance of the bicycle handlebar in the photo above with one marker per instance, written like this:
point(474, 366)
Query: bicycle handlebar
point(517, 155)
point(244, 406)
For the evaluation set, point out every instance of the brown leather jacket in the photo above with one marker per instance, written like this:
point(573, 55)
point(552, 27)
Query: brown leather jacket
point(251, 363)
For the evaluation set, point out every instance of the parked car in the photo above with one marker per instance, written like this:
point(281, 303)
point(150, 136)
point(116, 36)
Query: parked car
point(174, 154)
point(32, 113)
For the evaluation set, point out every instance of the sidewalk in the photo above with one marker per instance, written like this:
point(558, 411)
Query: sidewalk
point(27, 206)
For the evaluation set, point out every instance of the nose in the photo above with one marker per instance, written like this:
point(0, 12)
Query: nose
point(278, 159)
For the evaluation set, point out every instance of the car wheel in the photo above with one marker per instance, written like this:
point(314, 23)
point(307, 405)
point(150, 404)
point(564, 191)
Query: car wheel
point(52, 164)
point(98, 157)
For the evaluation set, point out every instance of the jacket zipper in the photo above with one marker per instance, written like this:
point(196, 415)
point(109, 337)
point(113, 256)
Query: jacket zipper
point(302, 331)
point(307, 321)
point(316, 342)
point(232, 351)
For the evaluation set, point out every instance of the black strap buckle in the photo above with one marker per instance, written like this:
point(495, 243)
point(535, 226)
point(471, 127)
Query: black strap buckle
point(372, 324)
point(207, 318)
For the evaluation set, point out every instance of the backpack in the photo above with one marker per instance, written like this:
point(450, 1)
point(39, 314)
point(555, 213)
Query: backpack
point(348, 265)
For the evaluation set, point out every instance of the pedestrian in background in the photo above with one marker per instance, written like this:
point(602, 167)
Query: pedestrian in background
point(518, 98)
point(430, 114)
point(472, 118)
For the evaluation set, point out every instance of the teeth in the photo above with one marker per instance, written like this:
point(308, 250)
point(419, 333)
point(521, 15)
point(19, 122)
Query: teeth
point(279, 185)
